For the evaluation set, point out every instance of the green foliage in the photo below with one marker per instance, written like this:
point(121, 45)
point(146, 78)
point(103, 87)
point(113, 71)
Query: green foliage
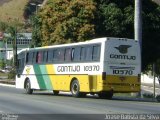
point(2, 64)
point(3, 26)
point(12, 74)
point(66, 21)
point(158, 98)
point(12, 31)
point(151, 30)
point(147, 95)
point(36, 32)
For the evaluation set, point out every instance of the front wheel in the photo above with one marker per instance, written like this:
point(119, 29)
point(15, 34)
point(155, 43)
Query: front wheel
point(28, 87)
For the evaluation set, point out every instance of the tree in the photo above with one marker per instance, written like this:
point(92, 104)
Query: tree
point(64, 21)
point(3, 26)
point(151, 30)
point(12, 31)
point(12, 34)
point(115, 18)
point(36, 32)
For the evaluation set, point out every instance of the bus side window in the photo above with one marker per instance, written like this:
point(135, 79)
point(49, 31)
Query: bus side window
point(88, 53)
point(30, 57)
point(50, 56)
point(55, 55)
point(19, 64)
point(60, 55)
point(39, 57)
point(76, 52)
point(34, 57)
point(96, 53)
point(45, 56)
point(68, 54)
point(27, 57)
point(82, 54)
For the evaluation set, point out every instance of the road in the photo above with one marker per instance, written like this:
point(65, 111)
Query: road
point(44, 105)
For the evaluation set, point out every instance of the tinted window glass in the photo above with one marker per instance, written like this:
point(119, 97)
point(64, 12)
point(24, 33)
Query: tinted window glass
point(30, 57)
point(88, 53)
point(34, 57)
point(27, 57)
point(50, 55)
point(96, 53)
point(82, 54)
point(59, 55)
point(39, 57)
point(68, 54)
point(76, 54)
point(45, 56)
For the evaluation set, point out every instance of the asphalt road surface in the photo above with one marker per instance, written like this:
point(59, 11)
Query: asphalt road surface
point(15, 104)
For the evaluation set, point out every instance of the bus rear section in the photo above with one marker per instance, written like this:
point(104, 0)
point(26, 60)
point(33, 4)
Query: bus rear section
point(122, 66)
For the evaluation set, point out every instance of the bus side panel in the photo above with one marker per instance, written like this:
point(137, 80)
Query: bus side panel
point(20, 82)
point(62, 82)
point(29, 74)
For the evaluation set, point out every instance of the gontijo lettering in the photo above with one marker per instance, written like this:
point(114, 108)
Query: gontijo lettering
point(68, 68)
point(115, 56)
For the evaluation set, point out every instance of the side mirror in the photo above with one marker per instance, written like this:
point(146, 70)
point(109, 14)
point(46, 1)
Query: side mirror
point(18, 75)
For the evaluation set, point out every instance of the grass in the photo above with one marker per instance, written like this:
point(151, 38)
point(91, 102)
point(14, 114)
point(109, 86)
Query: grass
point(3, 74)
point(12, 10)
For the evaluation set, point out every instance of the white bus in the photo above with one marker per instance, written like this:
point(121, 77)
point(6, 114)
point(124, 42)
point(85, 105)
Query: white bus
point(100, 66)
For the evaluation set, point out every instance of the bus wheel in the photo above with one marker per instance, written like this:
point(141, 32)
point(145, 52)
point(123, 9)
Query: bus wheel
point(55, 92)
point(28, 87)
point(106, 95)
point(75, 87)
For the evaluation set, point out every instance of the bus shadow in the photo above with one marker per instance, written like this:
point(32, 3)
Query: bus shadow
point(115, 98)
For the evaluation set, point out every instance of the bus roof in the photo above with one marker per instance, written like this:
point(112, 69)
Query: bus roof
point(96, 40)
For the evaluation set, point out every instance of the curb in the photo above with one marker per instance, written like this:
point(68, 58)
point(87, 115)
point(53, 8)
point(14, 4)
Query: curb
point(7, 82)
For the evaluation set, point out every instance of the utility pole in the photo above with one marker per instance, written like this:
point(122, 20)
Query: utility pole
point(154, 82)
point(138, 26)
point(138, 22)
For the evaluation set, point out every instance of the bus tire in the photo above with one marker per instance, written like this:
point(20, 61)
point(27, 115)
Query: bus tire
point(28, 87)
point(106, 95)
point(75, 88)
point(55, 92)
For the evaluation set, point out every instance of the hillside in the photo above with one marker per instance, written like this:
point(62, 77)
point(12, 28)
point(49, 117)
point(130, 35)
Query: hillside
point(3, 1)
point(12, 10)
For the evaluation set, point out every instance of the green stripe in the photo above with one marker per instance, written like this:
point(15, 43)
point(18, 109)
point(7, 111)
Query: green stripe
point(39, 77)
point(46, 77)
point(42, 77)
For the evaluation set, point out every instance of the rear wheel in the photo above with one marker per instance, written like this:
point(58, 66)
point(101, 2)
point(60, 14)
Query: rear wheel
point(28, 87)
point(75, 89)
point(106, 95)
point(55, 92)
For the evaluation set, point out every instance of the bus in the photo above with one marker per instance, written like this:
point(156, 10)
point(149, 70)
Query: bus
point(102, 66)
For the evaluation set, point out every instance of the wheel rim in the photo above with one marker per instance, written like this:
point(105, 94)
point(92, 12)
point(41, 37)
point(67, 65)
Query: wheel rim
point(74, 88)
point(27, 86)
